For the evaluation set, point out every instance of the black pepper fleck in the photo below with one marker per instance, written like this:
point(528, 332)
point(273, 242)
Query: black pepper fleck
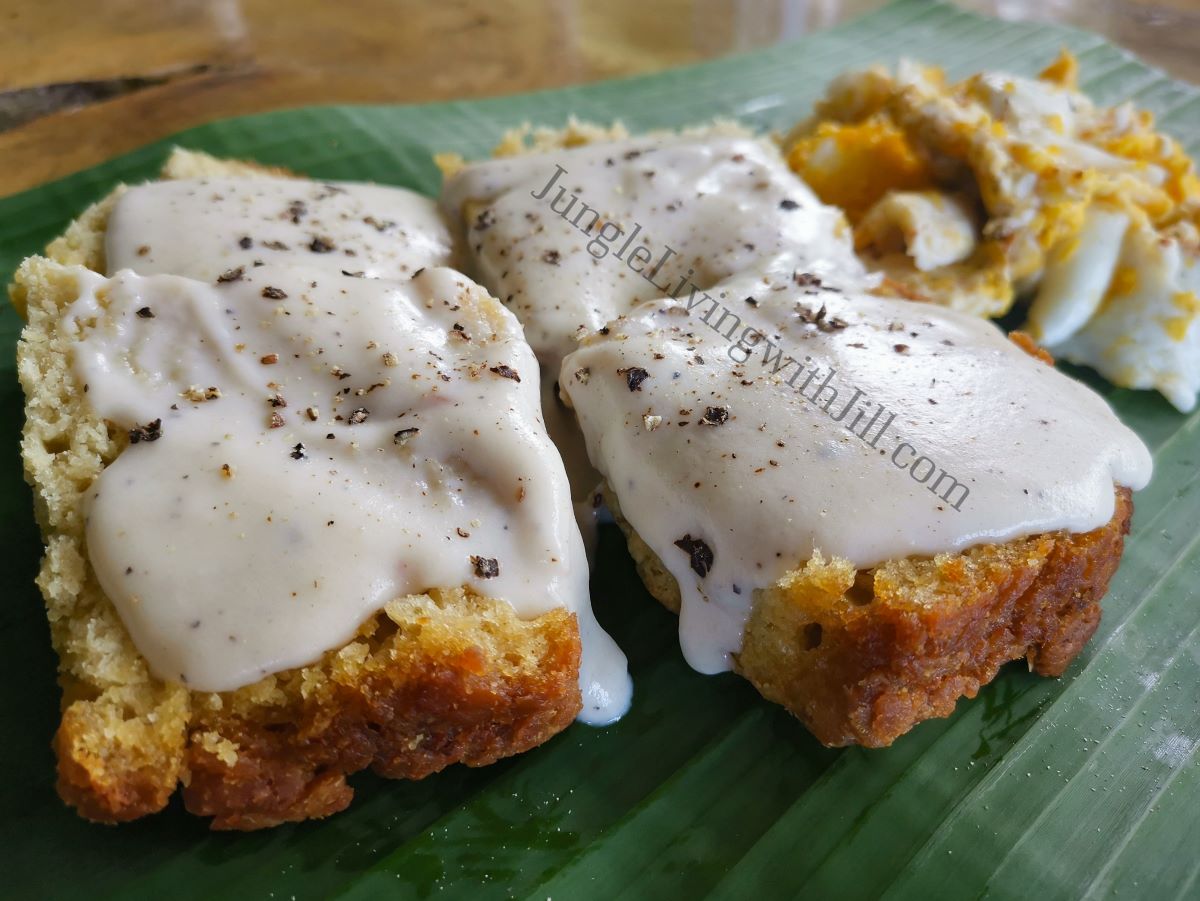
point(634, 376)
point(403, 436)
point(151, 431)
point(505, 372)
point(701, 554)
point(485, 567)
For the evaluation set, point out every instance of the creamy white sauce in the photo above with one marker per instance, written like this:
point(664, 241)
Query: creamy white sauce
point(556, 236)
point(251, 536)
point(204, 227)
point(772, 477)
point(233, 549)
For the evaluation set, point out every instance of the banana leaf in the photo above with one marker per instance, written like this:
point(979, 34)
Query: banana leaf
point(1084, 786)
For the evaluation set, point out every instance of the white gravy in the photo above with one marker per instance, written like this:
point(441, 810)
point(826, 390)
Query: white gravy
point(733, 471)
point(204, 227)
point(366, 439)
point(572, 239)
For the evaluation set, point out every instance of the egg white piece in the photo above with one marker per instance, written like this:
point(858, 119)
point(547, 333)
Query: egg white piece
point(934, 228)
point(1146, 334)
point(1077, 276)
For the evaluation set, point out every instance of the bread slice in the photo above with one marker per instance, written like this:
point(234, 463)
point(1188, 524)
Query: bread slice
point(432, 679)
point(862, 656)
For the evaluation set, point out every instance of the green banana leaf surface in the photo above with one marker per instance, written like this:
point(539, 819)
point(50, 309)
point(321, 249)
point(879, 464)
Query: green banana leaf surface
point(1084, 786)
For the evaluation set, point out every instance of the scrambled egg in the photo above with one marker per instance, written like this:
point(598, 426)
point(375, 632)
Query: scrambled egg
point(972, 194)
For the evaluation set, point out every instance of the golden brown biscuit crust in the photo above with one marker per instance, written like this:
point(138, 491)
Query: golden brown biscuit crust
point(863, 656)
point(434, 679)
point(429, 695)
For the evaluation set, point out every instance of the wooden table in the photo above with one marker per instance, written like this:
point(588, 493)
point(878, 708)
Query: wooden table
point(83, 82)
